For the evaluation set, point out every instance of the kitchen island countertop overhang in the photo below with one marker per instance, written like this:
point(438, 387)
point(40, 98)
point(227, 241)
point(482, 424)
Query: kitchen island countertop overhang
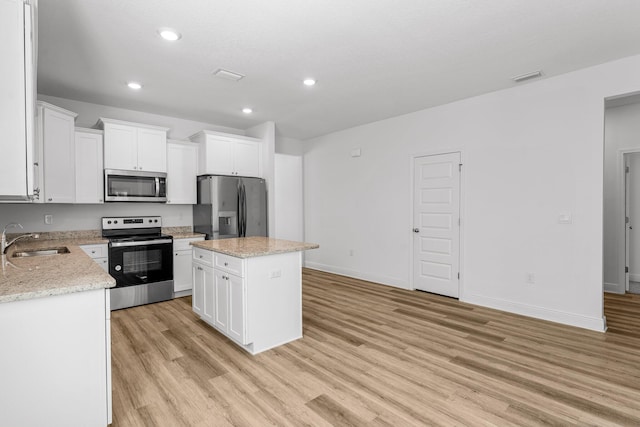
point(248, 247)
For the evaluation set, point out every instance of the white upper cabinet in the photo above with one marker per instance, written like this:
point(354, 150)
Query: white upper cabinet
point(227, 154)
point(134, 146)
point(182, 161)
point(56, 146)
point(89, 169)
point(17, 103)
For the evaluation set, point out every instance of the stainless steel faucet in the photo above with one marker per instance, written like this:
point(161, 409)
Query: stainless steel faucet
point(3, 243)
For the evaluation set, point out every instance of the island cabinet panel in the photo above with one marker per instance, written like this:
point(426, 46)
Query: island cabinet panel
point(203, 299)
point(257, 300)
point(55, 362)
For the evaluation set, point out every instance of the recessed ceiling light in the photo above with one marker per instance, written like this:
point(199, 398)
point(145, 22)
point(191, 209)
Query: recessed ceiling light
point(247, 110)
point(309, 82)
point(169, 34)
point(134, 85)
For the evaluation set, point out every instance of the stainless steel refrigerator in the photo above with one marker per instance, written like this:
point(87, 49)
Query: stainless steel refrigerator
point(230, 206)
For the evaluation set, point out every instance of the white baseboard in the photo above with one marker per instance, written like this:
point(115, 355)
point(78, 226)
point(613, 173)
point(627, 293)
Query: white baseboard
point(566, 318)
point(614, 288)
point(634, 277)
point(390, 281)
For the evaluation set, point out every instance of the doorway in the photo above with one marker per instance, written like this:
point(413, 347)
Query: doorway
point(436, 223)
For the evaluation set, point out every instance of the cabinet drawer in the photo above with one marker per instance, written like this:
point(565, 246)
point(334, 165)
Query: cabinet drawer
point(95, 251)
point(229, 264)
point(185, 244)
point(203, 256)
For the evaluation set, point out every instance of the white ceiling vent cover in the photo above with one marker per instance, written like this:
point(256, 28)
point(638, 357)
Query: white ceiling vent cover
point(228, 75)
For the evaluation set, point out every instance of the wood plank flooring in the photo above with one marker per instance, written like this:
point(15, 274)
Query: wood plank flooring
point(378, 356)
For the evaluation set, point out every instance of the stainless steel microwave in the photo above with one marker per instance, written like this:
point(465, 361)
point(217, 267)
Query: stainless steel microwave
point(134, 186)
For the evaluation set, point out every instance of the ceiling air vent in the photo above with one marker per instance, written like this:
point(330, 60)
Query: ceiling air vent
point(227, 75)
point(528, 76)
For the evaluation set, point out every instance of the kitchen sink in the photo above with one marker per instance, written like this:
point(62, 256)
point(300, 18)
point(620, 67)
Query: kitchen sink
point(41, 252)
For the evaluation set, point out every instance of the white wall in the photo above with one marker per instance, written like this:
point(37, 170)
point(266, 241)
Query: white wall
point(88, 115)
point(622, 132)
point(289, 202)
point(87, 217)
point(530, 153)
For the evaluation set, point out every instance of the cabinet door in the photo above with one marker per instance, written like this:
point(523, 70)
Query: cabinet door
point(181, 173)
point(59, 156)
point(120, 147)
point(181, 271)
point(152, 150)
point(16, 150)
point(247, 158)
point(218, 157)
point(89, 170)
point(237, 312)
point(221, 289)
point(209, 300)
point(197, 298)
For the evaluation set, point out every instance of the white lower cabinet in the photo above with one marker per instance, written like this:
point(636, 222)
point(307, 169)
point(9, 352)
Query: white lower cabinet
point(203, 299)
point(55, 362)
point(99, 253)
point(182, 275)
point(256, 302)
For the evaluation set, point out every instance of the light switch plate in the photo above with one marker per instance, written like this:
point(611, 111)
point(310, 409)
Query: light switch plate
point(48, 219)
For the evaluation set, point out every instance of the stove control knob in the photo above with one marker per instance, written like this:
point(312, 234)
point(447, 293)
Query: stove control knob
point(155, 220)
point(150, 220)
point(118, 267)
point(115, 222)
point(108, 222)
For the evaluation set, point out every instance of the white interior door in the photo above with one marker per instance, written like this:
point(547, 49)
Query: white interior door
point(436, 216)
point(627, 216)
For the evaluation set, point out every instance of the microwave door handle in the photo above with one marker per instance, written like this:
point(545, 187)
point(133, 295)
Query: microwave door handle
point(157, 186)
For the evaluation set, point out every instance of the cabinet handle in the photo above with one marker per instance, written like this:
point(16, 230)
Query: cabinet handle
point(49, 199)
point(200, 268)
point(200, 256)
point(226, 264)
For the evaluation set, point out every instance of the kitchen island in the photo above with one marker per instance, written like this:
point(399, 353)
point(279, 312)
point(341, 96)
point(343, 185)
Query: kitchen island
point(55, 362)
point(250, 289)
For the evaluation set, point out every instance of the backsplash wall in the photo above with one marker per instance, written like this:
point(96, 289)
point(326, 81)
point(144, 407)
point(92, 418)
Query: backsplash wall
point(88, 217)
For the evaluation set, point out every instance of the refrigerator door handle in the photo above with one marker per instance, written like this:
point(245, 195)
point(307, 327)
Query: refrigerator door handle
point(243, 198)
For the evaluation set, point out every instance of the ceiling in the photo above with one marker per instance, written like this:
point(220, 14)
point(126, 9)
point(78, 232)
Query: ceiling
point(372, 59)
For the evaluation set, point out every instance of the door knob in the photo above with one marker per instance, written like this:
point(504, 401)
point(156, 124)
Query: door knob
point(416, 230)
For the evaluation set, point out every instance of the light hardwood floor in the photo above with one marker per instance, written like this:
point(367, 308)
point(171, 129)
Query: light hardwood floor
point(379, 356)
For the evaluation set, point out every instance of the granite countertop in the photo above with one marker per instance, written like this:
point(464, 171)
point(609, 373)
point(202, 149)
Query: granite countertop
point(248, 247)
point(187, 235)
point(42, 276)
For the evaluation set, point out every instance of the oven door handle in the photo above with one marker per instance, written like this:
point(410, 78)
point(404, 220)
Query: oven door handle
point(142, 243)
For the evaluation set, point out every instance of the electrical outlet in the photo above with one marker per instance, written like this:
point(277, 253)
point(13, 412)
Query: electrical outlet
point(530, 278)
point(275, 274)
point(48, 219)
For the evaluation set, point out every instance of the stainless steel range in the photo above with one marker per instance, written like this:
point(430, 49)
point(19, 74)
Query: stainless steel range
point(140, 259)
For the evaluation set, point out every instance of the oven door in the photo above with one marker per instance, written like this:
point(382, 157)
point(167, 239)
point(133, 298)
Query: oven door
point(140, 262)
